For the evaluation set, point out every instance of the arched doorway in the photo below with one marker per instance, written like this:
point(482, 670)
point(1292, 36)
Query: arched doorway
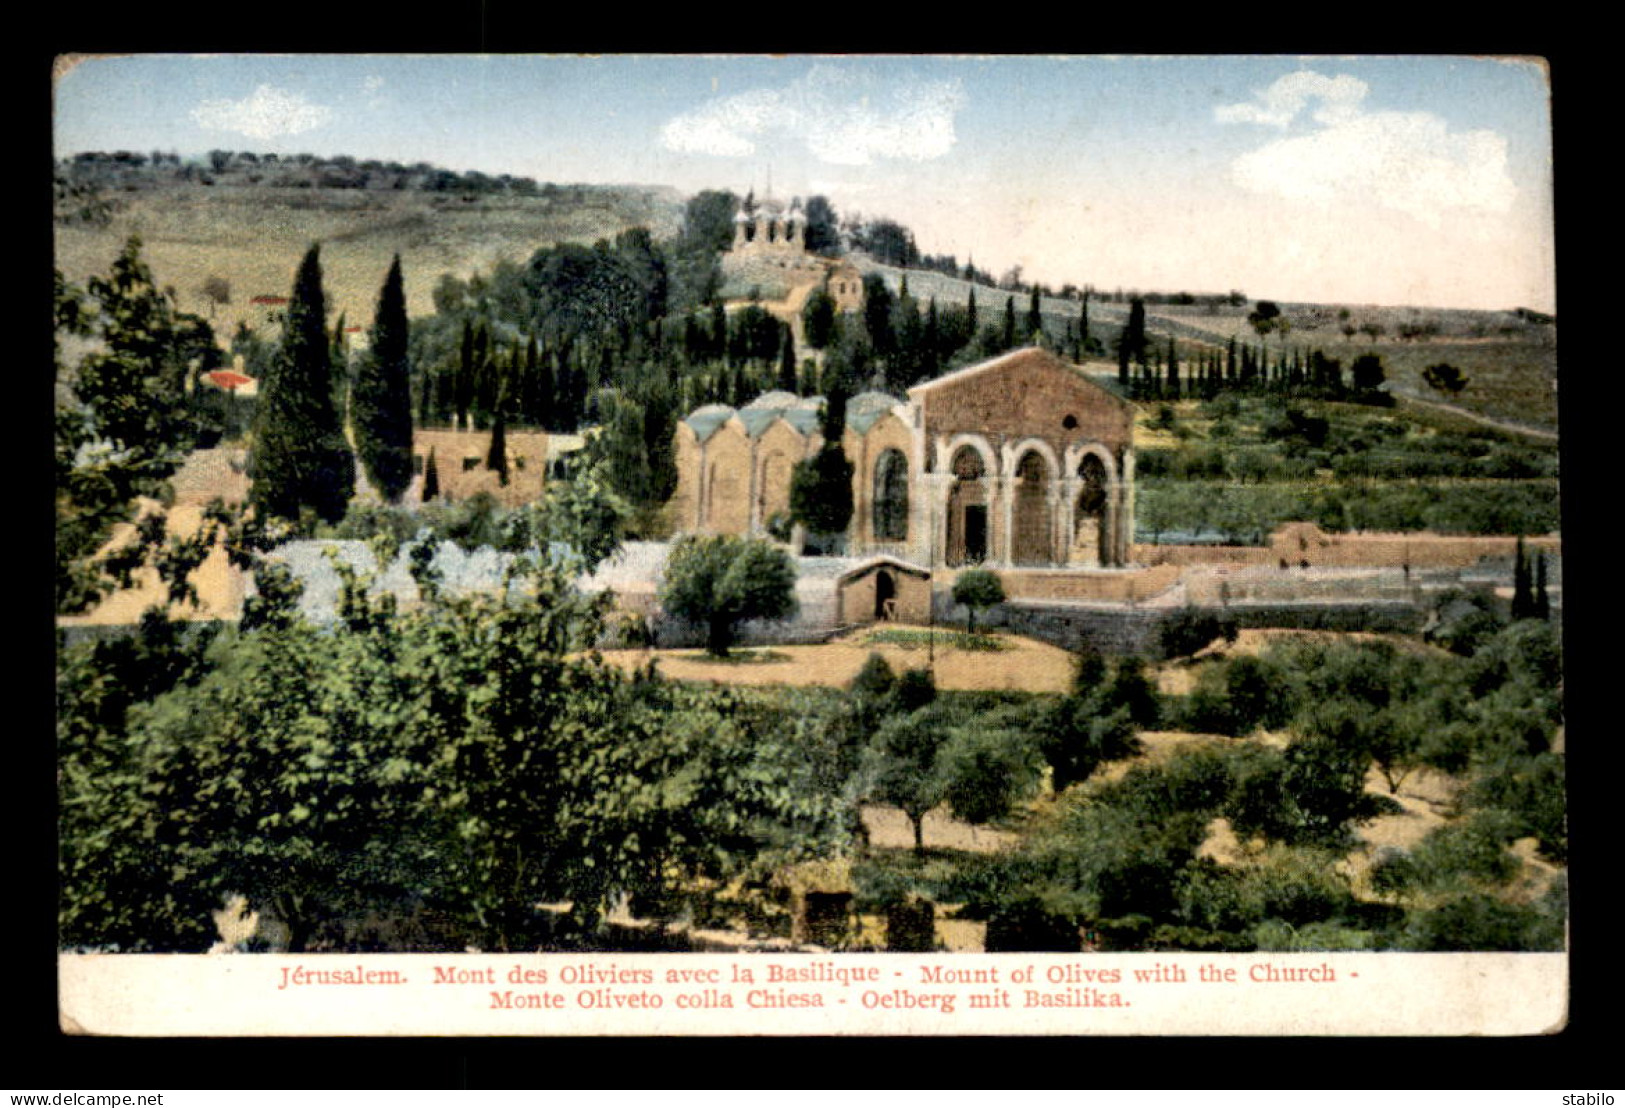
point(967, 509)
point(891, 497)
point(885, 596)
point(1089, 545)
point(1031, 546)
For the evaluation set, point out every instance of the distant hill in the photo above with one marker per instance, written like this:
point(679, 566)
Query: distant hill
point(251, 223)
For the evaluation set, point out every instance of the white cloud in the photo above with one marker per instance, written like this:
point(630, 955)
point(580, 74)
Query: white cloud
point(268, 113)
point(1408, 162)
point(1279, 104)
point(842, 118)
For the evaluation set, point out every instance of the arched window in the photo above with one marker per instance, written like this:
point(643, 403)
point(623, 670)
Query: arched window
point(967, 535)
point(891, 497)
point(1089, 533)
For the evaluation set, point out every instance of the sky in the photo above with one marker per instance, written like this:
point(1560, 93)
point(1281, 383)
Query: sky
point(1365, 180)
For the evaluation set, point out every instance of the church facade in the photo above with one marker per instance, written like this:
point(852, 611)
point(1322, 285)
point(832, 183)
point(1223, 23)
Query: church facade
point(1021, 460)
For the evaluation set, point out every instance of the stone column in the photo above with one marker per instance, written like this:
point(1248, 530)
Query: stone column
point(1068, 517)
point(1127, 482)
point(934, 527)
point(1002, 508)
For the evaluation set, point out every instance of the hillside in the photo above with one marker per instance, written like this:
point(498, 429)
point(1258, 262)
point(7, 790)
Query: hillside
point(253, 236)
point(248, 224)
point(1509, 357)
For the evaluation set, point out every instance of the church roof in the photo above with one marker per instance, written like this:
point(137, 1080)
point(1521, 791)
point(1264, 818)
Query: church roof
point(866, 409)
point(775, 398)
point(1027, 357)
point(757, 420)
point(863, 411)
point(704, 421)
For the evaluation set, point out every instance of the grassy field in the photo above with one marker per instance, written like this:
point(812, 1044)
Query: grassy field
point(1021, 665)
point(1510, 364)
point(254, 236)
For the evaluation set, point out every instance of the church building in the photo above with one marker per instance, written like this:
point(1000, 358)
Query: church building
point(1021, 460)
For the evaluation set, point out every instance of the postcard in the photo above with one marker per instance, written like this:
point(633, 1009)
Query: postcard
point(783, 545)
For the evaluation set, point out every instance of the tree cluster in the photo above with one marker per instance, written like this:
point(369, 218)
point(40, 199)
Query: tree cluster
point(447, 768)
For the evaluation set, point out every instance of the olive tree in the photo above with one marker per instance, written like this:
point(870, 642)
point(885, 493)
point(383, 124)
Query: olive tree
point(722, 581)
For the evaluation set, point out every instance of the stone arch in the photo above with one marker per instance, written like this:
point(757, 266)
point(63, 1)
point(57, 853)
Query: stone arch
point(885, 595)
point(1014, 453)
point(968, 522)
point(1034, 478)
point(978, 443)
point(1108, 464)
point(891, 496)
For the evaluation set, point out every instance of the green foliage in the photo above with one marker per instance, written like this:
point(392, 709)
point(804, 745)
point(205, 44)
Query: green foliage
point(1076, 739)
point(1131, 688)
point(821, 491)
point(431, 479)
point(875, 679)
point(987, 771)
point(721, 581)
point(818, 319)
point(976, 589)
point(1480, 922)
point(300, 458)
point(123, 421)
point(902, 763)
point(1463, 621)
point(1190, 630)
point(458, 758)
point(1445, 378)
point(1467, 854)
point(1310, 794)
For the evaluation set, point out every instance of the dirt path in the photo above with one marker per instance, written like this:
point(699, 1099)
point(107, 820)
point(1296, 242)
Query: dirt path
point(1488, 421)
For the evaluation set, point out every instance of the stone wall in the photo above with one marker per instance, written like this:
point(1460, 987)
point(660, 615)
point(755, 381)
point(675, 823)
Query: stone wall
point(1121, 586)
point(459, 460)
point(1295, 543)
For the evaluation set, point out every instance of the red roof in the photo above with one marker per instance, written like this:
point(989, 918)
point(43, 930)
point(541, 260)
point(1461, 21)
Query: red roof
point(228, 379)
point(269, 300)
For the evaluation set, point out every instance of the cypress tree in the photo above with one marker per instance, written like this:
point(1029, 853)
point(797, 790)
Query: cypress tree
point(381, 407)
point(1083, 328)
point(970, 310)
point(1008, 339)
point(787, 359)
point(1541, 606)
point(1135, 334)
point(1035, 316)
point(497, 458)
point(431, 478)
point(821, 486)
point(1122, 363)
point(1522, 598)
point(300, 457)
point(931, 355)
point(341, 372)
point(463, 383)
point(1173, 370)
